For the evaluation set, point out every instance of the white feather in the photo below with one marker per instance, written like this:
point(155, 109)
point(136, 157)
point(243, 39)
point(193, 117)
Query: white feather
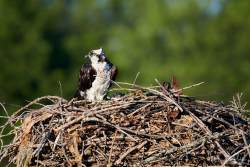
point(98, 51)
point(101, 83)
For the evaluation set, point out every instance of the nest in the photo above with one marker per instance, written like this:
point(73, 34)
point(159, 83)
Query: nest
point(144, 127)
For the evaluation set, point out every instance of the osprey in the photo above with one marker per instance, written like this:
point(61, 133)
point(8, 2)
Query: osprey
point(95, 77)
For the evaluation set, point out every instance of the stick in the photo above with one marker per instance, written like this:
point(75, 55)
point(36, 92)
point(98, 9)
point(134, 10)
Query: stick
point(205, 128)
point(137, 75)
point(245, 141)
point(188, 87)
point(138, 147)
point(111, 149)
point(229, 158)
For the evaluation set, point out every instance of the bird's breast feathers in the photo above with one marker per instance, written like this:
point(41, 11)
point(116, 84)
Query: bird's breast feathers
point(100, 85)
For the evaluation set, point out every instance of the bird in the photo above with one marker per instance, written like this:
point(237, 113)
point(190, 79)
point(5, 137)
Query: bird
point(95, 77)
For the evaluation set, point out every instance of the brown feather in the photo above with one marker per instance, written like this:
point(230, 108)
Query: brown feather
point(114, 72)
point(86, 77)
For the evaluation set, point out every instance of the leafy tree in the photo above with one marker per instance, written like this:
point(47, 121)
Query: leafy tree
point(43, 43)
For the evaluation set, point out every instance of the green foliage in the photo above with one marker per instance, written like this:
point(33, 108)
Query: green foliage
point(44, 42)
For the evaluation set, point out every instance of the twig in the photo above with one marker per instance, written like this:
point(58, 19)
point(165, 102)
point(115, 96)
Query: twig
point(229, 158)
point(36, 101)
point(205, 128)
point(137, 75)
point(138, 147)
point(111, 150)
point(85, 118)
point(166, 98)
point(188, 87)
point(246, 143)
point(163, 153)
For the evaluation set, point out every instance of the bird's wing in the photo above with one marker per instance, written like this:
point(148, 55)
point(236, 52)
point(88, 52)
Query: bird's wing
point(114, 72)
point(86, 77)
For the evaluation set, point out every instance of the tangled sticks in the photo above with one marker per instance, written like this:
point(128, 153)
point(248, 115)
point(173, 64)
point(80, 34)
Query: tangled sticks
point(145, 127)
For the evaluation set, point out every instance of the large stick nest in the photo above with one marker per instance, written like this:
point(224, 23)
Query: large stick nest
point(144, 127)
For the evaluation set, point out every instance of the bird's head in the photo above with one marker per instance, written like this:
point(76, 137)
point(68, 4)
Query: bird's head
point(97, 56)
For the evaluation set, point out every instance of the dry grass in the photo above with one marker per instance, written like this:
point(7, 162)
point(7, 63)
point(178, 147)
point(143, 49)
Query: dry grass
point(145, 127)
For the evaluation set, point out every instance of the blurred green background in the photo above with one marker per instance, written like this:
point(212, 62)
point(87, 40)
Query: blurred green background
point(43, 43)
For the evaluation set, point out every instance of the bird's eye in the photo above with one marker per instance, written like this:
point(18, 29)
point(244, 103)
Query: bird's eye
point(101, 57)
